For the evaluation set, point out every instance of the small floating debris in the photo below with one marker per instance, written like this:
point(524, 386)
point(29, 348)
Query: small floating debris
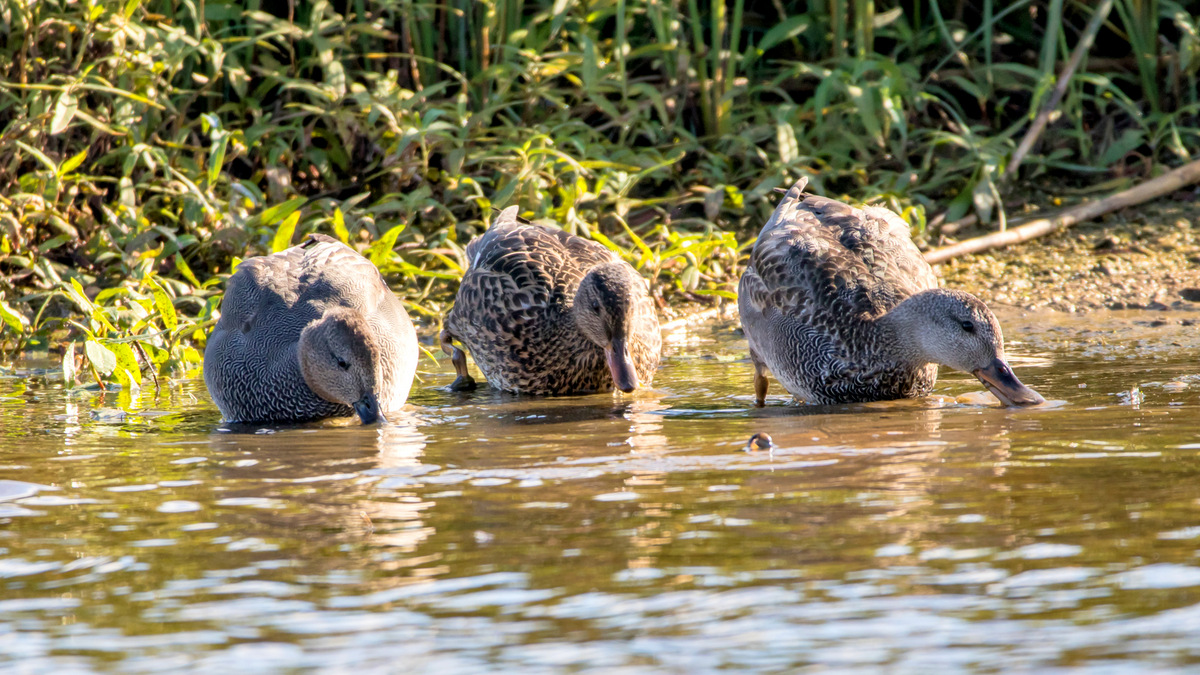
point(760, 441)
point(108, 415)
point(1134, 397)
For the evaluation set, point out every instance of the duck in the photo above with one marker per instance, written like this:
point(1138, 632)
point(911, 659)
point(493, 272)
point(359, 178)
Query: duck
point(545, 312)
point(307, 333)
point(840, 306)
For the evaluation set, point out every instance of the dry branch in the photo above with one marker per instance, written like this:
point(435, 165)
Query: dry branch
point(1183, 176)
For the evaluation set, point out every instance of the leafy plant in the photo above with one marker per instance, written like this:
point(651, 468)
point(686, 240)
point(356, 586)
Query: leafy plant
point(147, 146)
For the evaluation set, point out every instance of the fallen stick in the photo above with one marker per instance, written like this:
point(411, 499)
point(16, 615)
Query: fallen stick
point(1169, 182)
point(1064, 79)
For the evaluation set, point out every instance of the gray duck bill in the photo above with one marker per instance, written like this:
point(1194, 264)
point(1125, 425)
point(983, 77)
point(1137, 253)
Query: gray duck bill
point(623, 373)
point(1000, 380)
point(367, 408)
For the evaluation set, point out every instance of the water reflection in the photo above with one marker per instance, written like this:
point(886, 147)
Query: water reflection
point(486, 532)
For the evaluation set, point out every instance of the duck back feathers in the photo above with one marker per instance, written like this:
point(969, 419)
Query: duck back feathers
point(821, 258)
point(530, 265)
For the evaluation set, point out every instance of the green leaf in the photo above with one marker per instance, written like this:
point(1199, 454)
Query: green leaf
point(157, 356)
point(100, 357)
point(868, 111)
point(785, 137)
point(589, 63)
point(38, 155)
point(72, 163)
point(283, 235)
point(339, 226)
point(690, 277)
point(730, 295)
point(185, 270)
point(335, 77)
point(12, 318)
point(64, 112)
point(608, 243)
point(410, 269)
point(54, 242)
point(785, 30)
point(1129, 141)
point(166, 308)
point(280, 211)
point(127, 361)
point(216, 160)
point(380, 250)
point(560, 16)
point(79, 296)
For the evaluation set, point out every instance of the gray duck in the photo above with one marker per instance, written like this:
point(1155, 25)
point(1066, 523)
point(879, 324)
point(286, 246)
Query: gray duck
point(546, 312)
point(308, 333)
point(840, 306)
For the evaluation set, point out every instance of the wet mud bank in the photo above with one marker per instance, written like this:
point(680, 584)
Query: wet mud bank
point(1146, 258)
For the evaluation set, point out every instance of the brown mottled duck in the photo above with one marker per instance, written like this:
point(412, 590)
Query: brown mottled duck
point(840, 306)
point(546, 312)
point(307, 333)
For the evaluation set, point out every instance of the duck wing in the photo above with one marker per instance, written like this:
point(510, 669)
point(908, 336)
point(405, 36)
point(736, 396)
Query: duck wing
point(522, 268)
point(820, 259)
point(329, 273)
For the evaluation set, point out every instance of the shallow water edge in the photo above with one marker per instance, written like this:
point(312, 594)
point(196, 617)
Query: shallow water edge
point(484, 532)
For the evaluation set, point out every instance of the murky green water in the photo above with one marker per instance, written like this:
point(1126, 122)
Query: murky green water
point(617, 534)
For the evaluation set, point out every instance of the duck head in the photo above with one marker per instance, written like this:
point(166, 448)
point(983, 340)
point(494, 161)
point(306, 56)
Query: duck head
point(340, 362)
point(956, 329)
point(604, 311)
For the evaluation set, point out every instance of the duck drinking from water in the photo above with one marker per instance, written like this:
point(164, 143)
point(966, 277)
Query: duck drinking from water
point(839, 305)
point(310, 332)
point(543, 311)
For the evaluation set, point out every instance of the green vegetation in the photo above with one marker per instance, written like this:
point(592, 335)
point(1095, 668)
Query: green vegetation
point(147, 146)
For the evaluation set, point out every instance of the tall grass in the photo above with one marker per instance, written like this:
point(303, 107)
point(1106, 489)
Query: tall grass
point(146, 146)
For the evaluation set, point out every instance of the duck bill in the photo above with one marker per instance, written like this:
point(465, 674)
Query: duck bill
point(1000, 380)
point(623, 373)
point(367, 408)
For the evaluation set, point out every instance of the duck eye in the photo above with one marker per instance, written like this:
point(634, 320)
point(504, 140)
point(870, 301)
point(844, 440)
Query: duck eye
point(968, 326)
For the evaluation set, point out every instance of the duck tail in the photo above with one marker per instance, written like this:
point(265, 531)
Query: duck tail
point(508, 216)
point(785, 210)
point(794, 193)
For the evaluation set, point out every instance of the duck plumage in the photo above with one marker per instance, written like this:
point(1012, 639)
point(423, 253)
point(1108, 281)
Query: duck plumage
point(252, 363)
point(515, 311)
point(816, 300)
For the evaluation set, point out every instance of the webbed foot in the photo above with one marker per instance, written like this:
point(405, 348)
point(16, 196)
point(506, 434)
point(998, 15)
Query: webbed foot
point(463, 383)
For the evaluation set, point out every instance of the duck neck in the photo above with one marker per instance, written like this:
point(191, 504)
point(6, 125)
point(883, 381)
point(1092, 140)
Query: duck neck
point(903, 328)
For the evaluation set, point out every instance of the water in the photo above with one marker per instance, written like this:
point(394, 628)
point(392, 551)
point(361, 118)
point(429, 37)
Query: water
point(485, 533)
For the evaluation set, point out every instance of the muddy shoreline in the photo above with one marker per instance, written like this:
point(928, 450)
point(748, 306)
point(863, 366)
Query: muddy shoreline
point(1142, 258)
